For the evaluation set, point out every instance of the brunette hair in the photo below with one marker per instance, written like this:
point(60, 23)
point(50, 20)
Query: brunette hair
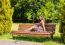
point(41, 17)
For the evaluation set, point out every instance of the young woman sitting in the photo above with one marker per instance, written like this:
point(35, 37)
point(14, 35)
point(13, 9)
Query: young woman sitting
point(38, 27)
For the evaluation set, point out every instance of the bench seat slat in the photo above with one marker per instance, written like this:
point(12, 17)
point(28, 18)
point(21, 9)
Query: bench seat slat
point(23, 32)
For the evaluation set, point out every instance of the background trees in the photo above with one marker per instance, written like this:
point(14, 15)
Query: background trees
point(25, 9)
point(6, 12)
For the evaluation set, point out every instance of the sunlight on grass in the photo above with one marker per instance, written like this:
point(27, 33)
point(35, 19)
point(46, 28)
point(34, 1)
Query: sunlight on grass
point(5, 37)
point(15, 26)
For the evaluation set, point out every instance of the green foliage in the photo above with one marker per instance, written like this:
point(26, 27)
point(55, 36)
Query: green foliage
point(24, 9)
point(6, 13)
point(49, 11)
point(62, 13)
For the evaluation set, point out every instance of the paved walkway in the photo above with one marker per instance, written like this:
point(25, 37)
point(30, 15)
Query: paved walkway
point(4, 42)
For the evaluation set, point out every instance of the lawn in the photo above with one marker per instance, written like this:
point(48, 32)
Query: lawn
point(47, 41)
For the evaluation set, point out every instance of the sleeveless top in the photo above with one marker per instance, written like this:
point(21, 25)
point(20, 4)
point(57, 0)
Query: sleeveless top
point(38, 27)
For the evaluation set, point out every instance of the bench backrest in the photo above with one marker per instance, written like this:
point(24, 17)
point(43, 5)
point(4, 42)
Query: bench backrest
point(50, 27)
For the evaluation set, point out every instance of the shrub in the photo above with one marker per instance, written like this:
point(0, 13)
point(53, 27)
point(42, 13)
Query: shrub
point(6, 12)
point(62, 13)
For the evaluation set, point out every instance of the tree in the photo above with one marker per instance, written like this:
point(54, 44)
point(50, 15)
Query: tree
point(6, 12)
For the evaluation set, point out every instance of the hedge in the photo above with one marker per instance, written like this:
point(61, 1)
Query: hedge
point(6, 12)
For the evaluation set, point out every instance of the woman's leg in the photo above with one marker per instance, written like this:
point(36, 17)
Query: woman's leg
point(38, 27)
point(29, 29)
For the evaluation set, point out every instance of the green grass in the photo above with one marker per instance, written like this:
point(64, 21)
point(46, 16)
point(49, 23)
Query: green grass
point(6, 37)
point(47, 41)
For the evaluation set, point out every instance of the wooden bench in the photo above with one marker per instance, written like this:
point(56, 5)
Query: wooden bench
point(50, 28)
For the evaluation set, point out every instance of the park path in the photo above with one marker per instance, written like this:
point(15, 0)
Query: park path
point(7, 42)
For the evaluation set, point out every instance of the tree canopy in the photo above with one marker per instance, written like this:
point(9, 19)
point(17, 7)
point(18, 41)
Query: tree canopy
point(25, 9)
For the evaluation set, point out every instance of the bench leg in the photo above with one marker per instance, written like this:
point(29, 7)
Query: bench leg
point(13, 36)
point(51, 36)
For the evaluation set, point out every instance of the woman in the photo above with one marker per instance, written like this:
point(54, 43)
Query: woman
point(42, 22)
point(38, 27)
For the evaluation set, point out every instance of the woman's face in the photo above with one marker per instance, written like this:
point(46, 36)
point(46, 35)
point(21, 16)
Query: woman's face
point(40, 18)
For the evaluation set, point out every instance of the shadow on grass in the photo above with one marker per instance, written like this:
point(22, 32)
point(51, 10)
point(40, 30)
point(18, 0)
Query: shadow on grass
point(38, 39)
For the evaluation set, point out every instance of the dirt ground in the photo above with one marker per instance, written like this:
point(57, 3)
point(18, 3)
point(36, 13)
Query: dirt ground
point(6, 42)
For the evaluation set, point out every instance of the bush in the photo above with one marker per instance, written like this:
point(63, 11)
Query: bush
point(62, 13)
point(6, 12)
